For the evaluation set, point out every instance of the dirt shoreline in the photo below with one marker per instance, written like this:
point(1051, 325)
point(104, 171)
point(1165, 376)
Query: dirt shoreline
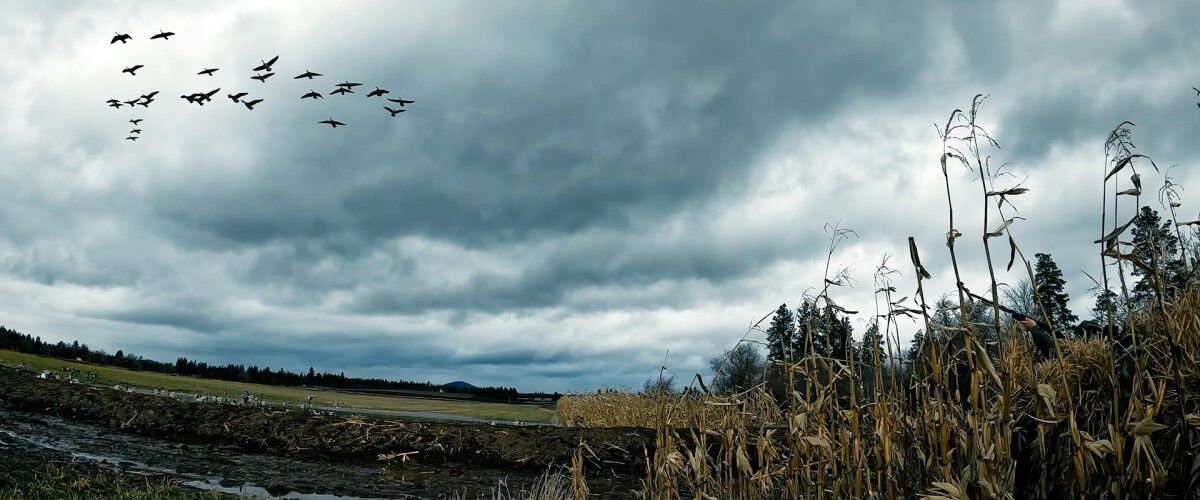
point(612, 452)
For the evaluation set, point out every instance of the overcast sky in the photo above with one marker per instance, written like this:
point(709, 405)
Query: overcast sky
point(579, 188)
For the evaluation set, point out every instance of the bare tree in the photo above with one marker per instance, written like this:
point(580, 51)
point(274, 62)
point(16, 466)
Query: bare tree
point(737, 370)
point(1022, 298)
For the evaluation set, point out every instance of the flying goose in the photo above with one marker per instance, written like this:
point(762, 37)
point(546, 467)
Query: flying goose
point(266, 65)
point(394, 112)
point(250, 104)
point(132, 70)
point(333, 123)
point(307, 74)
point(208, 71)
point(207, 96)
point(377, 92)
point(262, 77)
point(402, 102)
point(164, 36)
point(123, 38)
point(237, 96)
point(312, 95)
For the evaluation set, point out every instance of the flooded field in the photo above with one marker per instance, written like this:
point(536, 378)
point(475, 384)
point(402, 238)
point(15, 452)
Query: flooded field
point(252, 451)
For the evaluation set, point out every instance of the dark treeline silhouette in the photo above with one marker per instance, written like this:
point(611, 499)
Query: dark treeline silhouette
point(809, 329)
point(20, 342)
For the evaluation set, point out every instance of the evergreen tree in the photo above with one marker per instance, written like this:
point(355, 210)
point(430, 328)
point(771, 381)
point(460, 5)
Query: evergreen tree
point(872, 345)
point(840, 333)
point(1051, 289)
point(781, 334)
point(1157, 246)
point(914, 349)
point(1107, 302)
point(831, 332)
point(870, 349)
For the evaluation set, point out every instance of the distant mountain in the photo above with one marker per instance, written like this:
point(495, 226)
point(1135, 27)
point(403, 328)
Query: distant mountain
point(458, 384)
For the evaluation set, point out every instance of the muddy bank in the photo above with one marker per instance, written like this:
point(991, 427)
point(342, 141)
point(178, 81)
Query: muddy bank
point(291, 433)
point(97, 455)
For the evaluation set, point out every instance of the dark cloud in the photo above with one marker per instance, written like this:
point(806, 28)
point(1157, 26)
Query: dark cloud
point(577, 189)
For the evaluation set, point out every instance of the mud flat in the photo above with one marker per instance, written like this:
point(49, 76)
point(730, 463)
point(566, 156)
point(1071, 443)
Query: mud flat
point(237, 446)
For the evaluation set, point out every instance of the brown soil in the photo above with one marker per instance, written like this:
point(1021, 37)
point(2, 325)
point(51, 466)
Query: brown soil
point(612, 452)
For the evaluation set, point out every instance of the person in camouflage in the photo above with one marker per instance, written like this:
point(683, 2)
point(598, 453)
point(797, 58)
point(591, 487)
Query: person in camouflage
point(1042, 340)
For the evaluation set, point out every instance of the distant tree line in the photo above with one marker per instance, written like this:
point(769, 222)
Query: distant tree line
point(16, 341)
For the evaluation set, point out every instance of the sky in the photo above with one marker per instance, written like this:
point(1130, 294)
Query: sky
point(580, 191)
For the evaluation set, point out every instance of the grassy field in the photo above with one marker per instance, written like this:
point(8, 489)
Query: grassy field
point(109, 376)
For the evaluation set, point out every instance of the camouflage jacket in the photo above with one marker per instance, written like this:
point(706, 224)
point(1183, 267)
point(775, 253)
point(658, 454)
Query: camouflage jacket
point(1043, 341)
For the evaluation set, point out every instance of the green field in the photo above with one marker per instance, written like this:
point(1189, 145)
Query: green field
point(108, 376)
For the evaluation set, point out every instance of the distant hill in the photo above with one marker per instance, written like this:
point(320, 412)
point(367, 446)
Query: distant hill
point(459, 385)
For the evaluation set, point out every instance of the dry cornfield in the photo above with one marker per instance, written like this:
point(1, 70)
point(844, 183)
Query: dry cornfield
point(968, 416)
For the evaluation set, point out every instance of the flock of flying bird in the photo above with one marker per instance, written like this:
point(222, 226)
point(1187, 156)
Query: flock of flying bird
point(263, 72)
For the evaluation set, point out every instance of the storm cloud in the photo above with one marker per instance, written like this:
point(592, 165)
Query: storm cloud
point(579, 189)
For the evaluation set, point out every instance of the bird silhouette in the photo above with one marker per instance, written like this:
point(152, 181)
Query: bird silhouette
point(136, 131)
point(312, 95)
point(333, 123)
point(190, 98)
point(131, 138)
point(262, 77)
point(132, 70)
point(136, 121)
point(342, 90)
point(208, 71)
point(123, 38)
point(131, 103)
point(1197, 90)
point(266, 65)
point(150, 96)
point(394, 112)
point(377, 92)
point(114, 103)
point(250, 104)
point(209, 95)
point(401, 102)
point(165, 36)
point(307, 74)
point(146, 103)
point(348, 84)
point(237, 96)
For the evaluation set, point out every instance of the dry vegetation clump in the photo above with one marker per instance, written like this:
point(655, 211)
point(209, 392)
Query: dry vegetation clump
point(624, 409)
point(969, 413)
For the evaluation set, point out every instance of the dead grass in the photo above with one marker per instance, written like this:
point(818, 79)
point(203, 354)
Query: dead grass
point(973, 415)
